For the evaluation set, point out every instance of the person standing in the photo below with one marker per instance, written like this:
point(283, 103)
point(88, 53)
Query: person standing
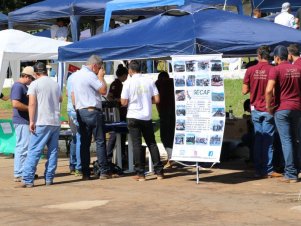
point(44, 125)
point(294, 54)
point(255, 82)
point(75, 162)
point(298, 18)
point(285, 83)
point(166, 110)
point(114, 95)
point(87, 89)
point(138, 94)
point(20, 119)
point(285, 18)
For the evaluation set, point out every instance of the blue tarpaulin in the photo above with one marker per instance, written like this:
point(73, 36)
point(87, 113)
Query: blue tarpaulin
point(204, 31)
point(119, 5)
point(275, 5)
point(3, 19)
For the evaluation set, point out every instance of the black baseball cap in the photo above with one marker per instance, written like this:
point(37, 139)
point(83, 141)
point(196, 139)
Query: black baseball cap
point(40, 67)
point(280, 51)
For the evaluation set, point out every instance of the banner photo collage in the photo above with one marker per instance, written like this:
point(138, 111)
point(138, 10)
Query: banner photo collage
point(200, 107)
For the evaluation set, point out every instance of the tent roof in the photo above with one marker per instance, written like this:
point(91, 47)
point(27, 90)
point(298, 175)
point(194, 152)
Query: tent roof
point(274, 5)
point(209, 31)
point(122, 5)
point(18, 45)
point(50, 9)
point(3, 18)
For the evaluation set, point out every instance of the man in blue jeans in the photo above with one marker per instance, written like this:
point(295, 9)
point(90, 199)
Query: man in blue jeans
point(20, 119)
point(44, 125)
point(75, 162)
point(87, 89)
point(138, 94)
point(255, 82)
point(285, 83)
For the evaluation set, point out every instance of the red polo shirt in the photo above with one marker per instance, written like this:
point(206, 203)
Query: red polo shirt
point(256, 78)
point(298, 62)
point(288, 86)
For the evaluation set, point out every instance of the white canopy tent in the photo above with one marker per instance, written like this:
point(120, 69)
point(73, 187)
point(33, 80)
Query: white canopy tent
point(17, 46)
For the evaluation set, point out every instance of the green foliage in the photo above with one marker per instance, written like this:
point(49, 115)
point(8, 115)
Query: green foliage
point(7, 6)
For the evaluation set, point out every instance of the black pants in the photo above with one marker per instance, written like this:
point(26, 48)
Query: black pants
point(167, 128)
point(137, 129)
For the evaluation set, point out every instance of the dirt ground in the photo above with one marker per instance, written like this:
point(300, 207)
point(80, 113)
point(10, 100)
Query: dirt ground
point(226, 195)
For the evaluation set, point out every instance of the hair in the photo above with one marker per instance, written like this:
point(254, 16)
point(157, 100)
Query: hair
point(163, 74)
point(134, 65)
point(94, 59)
point(40, 68)
point(121, 70)
point(264, 52)
point(294, 49)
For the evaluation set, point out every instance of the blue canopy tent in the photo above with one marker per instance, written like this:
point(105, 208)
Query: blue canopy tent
point(51, 9)
point(273, 6)
point(178, 32)
point(121, 5)
point(3, 19)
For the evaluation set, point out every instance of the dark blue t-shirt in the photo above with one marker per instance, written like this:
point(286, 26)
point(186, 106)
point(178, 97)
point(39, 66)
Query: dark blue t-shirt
point(19, 92)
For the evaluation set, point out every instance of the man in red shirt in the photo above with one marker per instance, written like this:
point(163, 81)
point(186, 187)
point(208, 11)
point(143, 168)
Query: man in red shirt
point(294, 54)
point(285, 83)
point(255, 81)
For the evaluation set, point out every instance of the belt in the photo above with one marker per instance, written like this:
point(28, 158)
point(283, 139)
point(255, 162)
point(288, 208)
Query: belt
point(92, 109)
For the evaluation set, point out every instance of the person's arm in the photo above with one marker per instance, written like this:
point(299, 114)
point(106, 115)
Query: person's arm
point(156, 99)
point(19, 105)
point(32, 112)
point(245, 89)
point(103, 88)
point(124, 102)
point(269, 96)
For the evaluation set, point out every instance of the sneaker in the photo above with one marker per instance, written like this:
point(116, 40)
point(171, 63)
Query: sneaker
point(25, 186)
point(168, 164)
point(288, 180)
point(17, 179)
point(72, 171)
point(274, 175)
point(78, 173)
point(104, 176)
point(160, 176)
point(139, 177)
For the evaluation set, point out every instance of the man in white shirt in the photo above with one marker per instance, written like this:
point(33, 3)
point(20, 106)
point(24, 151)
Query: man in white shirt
point(138, 94)
point(86, 92)
point(44, 125)
point(285, 18)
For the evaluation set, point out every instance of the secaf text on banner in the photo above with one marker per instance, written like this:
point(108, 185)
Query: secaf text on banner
point(200, 107)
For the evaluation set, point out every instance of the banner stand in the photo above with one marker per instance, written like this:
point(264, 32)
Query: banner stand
point(197, 172)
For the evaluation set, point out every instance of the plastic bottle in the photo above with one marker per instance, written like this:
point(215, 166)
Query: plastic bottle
point(231, 116)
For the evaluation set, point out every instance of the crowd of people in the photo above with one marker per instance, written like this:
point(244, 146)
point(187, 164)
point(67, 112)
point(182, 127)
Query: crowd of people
point(36, 128)
point(275, 103)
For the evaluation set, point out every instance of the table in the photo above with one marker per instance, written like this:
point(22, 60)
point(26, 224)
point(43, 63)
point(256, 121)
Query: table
point(66, 135)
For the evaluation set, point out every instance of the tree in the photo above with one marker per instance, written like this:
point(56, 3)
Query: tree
point(11, 5)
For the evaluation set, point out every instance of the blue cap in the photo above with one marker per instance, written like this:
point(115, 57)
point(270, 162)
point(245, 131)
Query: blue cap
point(280, 51)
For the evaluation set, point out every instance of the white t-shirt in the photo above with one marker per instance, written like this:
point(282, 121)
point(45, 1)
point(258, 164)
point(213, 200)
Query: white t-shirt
point(285, 19)
point(139, 90)
point(85, 86)
point(48, 95)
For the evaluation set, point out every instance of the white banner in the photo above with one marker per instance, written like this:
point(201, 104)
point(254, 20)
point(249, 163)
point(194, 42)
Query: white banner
point(200, 107)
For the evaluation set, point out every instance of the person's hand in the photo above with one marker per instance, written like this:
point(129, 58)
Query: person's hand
point(101, 73)
point(32, 127)
point(271, 109)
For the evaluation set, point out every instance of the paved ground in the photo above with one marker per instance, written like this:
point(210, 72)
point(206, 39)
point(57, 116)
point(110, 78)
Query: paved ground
point(226, 195)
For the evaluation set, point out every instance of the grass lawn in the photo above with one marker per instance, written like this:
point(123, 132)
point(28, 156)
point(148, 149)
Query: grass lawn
point(232, 93)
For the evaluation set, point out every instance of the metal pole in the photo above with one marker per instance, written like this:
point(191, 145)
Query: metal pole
point(197, 173)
